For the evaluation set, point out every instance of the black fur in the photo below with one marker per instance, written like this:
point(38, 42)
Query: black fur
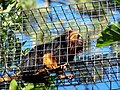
point(32, 62)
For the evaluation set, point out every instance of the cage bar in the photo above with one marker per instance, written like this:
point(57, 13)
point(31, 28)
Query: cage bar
point(92, 67)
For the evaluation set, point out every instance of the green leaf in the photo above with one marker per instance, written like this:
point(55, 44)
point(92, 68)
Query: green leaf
point(23, 43)
point(30, 86)
point(109, 35)
point(118, 1)
point(13, 85)
point(26, 51)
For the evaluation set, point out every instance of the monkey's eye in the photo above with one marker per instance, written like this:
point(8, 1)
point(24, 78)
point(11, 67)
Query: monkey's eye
point(79, 37)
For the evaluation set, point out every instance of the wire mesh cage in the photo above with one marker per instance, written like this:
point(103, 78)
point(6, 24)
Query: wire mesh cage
point(58, 45)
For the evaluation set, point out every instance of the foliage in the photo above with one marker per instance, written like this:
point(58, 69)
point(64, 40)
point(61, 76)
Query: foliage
point(27, 4)
point(13, 85)
point(117, 1)
point(5, 4)
point(109, 35)
point(10, 43)
point(33, 86)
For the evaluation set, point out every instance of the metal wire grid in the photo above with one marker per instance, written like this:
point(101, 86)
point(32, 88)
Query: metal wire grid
point(44, 24)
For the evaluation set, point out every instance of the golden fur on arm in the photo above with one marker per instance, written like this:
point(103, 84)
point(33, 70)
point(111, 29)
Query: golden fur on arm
point(50, 61)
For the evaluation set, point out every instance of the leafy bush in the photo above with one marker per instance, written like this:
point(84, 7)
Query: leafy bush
point(110, 34)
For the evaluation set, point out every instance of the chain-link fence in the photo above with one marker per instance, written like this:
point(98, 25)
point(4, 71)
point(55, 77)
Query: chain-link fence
point(57, 46)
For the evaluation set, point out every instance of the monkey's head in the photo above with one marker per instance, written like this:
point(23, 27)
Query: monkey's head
point(74, 41)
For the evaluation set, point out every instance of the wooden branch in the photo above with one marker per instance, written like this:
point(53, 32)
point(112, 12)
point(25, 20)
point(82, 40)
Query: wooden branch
point(58, 70)
point(8, 78)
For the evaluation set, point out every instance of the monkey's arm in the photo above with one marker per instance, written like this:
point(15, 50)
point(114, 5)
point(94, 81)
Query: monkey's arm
point(51, 63)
